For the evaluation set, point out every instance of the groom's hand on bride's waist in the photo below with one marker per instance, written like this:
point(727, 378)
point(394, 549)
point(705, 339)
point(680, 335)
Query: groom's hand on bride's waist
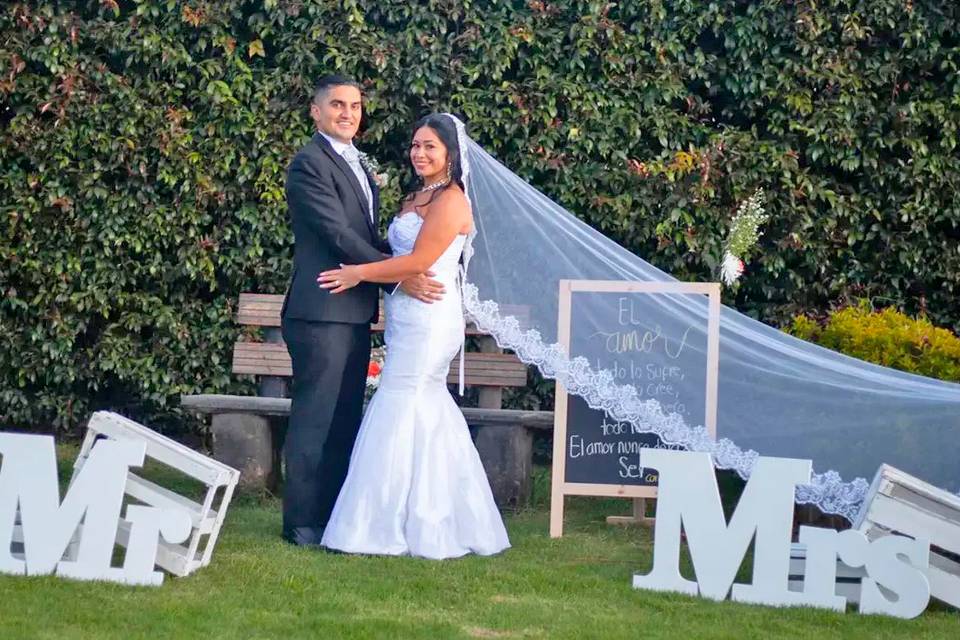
point(423, 287)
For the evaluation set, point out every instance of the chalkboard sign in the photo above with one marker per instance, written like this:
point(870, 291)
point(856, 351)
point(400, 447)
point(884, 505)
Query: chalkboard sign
point(631, 329)
point(601, 450)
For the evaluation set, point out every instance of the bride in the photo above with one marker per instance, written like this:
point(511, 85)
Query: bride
point(415, 484)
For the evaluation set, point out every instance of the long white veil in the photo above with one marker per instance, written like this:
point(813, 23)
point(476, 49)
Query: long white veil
point(778, 396)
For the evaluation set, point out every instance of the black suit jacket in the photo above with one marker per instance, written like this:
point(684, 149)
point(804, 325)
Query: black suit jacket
point(331, 225)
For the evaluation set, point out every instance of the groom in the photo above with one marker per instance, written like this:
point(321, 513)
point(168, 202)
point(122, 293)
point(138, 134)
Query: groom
point(333, 203)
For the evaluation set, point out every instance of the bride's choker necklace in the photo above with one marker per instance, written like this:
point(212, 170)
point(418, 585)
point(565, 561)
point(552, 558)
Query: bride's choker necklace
point(435, 186)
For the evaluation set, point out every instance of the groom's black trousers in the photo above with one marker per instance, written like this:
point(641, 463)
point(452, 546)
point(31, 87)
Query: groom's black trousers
point(330, 363)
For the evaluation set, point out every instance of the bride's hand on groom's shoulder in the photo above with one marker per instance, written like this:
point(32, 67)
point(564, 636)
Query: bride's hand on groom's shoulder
point(423, 288)
point(339, 280)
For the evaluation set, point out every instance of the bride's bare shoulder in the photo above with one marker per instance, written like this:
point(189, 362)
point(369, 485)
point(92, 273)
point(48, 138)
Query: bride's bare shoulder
point(451, 201)
point(452, 205)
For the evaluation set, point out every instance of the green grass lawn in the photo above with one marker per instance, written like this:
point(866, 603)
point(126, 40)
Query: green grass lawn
point(578, 586)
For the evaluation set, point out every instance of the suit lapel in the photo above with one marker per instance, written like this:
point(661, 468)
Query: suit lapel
point(375, 190)
point(352, 179)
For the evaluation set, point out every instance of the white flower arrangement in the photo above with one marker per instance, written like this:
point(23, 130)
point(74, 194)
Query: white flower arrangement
point(744, 234)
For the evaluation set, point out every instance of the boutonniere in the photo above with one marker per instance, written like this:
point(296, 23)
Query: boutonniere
point(371, 166)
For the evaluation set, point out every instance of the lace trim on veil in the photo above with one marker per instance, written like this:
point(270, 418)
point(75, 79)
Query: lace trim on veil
point(827, 490)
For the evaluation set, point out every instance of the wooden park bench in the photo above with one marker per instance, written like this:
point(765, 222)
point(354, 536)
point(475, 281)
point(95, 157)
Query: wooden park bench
point(247, 430)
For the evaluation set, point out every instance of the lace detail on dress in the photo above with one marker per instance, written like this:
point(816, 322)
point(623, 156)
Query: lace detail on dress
point(826, 490)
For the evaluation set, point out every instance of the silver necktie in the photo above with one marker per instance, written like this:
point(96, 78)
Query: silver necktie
point(352, 156)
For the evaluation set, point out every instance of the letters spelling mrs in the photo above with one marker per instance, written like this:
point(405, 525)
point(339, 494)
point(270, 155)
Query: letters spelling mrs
point(688, 495)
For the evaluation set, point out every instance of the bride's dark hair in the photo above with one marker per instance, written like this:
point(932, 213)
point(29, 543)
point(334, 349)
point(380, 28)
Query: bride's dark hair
point(446, 130)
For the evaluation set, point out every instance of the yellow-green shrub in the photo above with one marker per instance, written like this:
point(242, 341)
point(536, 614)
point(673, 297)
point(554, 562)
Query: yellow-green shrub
point(886, 337)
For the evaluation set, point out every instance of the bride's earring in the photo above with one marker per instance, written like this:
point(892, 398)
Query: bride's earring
point(449, 169)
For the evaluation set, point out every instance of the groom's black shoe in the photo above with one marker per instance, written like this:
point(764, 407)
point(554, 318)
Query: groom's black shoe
point(304, 536)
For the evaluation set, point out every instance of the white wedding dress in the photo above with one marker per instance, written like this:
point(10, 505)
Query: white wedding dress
point(416, 485)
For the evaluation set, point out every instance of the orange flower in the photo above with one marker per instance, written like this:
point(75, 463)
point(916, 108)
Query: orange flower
point(373, 369)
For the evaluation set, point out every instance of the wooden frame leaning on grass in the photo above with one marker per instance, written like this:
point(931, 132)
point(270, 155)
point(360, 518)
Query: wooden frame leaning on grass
point(560, 488)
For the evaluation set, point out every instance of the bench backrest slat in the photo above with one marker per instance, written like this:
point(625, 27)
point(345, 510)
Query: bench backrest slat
point(263, 310)
point(480, 369)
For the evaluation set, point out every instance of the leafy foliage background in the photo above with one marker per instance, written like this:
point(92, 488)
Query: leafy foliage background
point(144, 145)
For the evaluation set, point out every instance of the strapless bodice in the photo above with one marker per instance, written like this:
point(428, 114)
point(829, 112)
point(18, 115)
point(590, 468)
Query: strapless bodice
point(403, 233)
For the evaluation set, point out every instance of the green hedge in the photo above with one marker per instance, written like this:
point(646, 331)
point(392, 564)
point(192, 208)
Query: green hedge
point(144, 145)
point(886, 337)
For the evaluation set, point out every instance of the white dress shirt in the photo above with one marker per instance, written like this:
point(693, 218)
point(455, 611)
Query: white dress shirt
point(349, 153)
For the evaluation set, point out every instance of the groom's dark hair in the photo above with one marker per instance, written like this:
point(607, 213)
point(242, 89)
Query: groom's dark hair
point(330, 81)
